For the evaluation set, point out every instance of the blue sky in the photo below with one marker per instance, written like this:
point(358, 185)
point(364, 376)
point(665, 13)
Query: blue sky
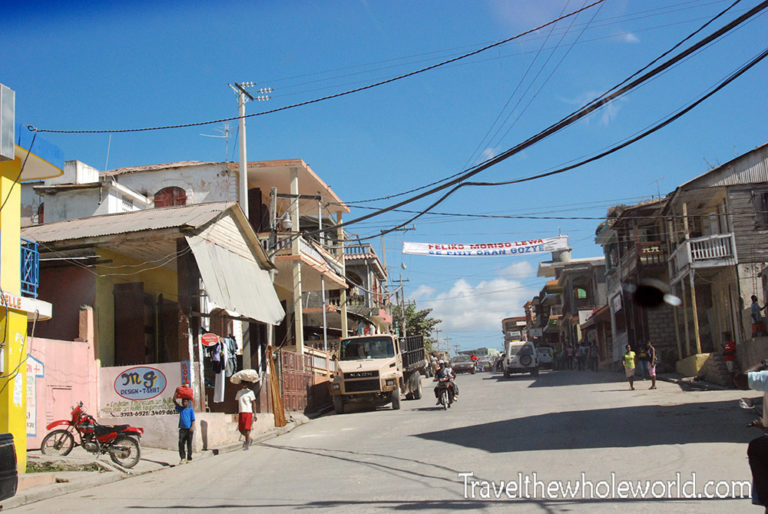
point(96, 65)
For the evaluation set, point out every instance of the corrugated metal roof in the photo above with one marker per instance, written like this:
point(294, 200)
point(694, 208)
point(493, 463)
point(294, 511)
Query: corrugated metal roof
point(192, 216)
point(158, 167)
point(748, 168)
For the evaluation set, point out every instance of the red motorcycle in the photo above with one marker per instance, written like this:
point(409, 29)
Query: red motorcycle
point(121, 442)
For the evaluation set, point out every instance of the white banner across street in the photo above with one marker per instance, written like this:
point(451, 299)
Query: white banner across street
point(511, 248)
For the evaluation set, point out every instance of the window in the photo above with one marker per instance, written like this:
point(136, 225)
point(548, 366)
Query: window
point(170, 196)
point(760, 202)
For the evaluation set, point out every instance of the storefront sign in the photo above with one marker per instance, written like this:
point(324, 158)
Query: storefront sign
point(139, 390)
point(513, 248)
point(140, 383)
point(35, 370)
point(616, 303)
point(209, 339)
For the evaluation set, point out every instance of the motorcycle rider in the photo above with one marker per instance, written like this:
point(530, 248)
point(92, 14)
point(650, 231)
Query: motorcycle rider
point(445, 373)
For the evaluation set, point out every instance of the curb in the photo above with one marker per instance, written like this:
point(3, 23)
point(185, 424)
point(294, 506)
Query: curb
point(692, 383)
point(37, 494)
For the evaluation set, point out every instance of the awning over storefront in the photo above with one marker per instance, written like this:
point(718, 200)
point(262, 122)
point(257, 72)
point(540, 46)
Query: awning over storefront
point(236, 283)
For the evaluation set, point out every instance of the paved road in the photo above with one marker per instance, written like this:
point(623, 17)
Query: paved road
point(558, 426)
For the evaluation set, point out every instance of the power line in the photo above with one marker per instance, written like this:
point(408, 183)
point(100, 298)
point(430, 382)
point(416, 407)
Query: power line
point(577, 115)
point(636, 73)
point(328, 97)
point(601, 155)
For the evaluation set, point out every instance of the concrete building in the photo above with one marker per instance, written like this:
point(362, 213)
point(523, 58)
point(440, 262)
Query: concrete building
point(157, 280)
point(23, 157)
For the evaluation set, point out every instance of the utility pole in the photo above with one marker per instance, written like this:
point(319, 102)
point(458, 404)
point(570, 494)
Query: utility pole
point(322, 274)
point(384, 253)
point(401, 287)
point(240, 91)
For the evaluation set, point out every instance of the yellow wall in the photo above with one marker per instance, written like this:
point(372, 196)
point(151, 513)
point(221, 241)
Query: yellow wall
point(13, 388)
point(156, 281)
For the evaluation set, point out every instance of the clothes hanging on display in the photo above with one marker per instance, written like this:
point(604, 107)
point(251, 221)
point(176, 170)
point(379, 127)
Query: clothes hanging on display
point(217, 357)
point(218, 389)
point(230, 353)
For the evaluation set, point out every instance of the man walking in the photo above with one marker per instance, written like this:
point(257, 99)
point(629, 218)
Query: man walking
point(246, 405)
point(186, 428)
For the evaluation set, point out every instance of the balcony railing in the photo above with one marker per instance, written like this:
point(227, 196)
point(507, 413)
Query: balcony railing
point(702, 252)
point(643, 253)
point(30, 268)
point(322, 256)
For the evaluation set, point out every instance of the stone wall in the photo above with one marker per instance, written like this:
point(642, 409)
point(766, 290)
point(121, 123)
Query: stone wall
point(661, 330)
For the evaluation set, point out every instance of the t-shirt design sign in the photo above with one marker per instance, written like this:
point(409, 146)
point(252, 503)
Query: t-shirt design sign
point(510, 248)
point(140, 383)
point(139, 390)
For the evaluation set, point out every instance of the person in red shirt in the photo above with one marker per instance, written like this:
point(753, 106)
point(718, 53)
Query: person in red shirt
point(729, 352)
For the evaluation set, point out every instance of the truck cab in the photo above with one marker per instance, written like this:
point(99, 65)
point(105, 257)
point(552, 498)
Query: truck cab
point(377, 369)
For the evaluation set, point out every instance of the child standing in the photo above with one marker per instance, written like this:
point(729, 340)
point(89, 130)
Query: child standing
point(186, 428)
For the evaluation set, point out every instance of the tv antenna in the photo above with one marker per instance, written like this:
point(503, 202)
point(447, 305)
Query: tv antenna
point(658, 188)
point(223, 133)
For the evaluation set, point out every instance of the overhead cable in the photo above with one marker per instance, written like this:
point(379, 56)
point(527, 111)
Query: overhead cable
point(328, 97)
point(577, 115)
point(661, 56)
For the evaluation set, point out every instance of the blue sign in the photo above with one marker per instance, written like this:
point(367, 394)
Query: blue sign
point(140, 383)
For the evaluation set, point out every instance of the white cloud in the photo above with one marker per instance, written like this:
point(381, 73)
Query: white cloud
point(423, 291)
point(605, 115)
point(490, 153)
point(520, 269)
point(482, 306)
point(629, 37)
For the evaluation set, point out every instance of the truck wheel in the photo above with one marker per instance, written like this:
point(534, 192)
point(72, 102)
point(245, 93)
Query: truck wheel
point(338, 404)
point(396, 398)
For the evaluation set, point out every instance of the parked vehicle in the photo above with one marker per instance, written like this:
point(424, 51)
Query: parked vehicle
point(444, 392)
point(378, 369)
point(520, 357)
point(8, 475)
point(486, 363)
point(546, 356)
point(463, 364)
point(121, 442)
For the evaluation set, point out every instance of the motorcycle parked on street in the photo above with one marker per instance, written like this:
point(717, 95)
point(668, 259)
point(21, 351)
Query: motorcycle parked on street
point(121, 442)
point(444, 392)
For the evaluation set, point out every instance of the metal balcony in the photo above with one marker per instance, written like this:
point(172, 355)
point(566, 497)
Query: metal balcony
point(30, 268)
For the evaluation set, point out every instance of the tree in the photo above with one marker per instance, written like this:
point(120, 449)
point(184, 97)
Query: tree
point(417, 322)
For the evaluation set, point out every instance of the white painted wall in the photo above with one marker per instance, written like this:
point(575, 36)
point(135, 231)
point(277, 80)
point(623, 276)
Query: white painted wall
point(203, 184)
point(75, 172)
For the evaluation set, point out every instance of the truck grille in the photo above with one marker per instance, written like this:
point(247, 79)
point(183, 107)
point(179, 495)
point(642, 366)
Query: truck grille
point(361, 385)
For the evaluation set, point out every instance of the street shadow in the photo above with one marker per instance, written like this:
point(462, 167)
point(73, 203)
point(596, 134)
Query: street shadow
point(622, 427)
point(573, 377)
point(549, 505)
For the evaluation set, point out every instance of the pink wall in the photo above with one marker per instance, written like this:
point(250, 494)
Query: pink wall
point(63, 373)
